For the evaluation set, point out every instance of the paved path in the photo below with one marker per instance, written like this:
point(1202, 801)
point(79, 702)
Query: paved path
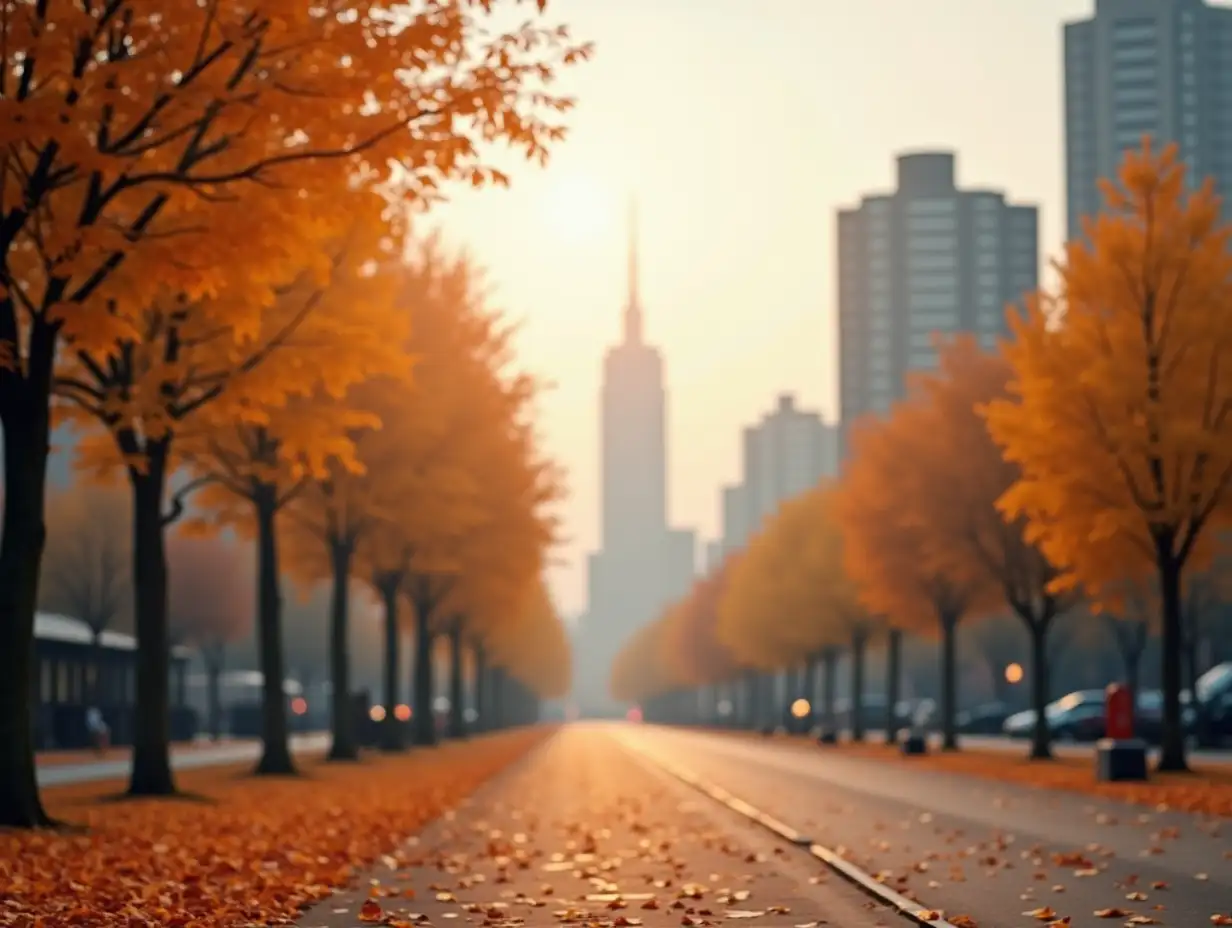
point(583, 831)
point(988, 850)
point(66, 774)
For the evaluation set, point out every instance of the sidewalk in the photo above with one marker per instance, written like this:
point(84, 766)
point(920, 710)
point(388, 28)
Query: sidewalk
point(59, 757)
point(581, 831)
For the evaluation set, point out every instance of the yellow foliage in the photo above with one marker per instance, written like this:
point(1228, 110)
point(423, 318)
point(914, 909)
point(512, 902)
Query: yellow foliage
point(532, 643)
point(1122, 384)
point(789, 594)
point(640, 671)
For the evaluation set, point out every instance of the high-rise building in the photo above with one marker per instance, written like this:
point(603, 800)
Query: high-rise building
point(927, 259)
point(643, 562)
point(1161, 68)
point(784, 454)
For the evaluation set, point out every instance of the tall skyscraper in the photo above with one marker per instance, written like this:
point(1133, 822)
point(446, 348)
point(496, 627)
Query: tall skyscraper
point(1147, 67)
point(643, 562)
point(928, 258)
point(783, 455)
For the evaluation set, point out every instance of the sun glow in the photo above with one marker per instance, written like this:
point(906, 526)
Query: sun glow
point(578, 210)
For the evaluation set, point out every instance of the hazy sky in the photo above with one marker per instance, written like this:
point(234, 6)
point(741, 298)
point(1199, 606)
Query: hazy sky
point(741, 127)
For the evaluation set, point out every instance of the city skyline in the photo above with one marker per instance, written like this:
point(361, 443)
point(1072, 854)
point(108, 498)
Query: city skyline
point(738, 239)
point(742, 273)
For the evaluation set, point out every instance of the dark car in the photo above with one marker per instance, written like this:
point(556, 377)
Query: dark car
point(1070, 718)
point(1213, 705)
point(986, 719)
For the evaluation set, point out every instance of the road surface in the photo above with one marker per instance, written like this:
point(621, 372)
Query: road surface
point(67, 774)
point(583, 832)
point(969, 847)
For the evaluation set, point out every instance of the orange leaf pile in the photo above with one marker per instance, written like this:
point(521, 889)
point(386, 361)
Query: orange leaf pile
point(241, 850)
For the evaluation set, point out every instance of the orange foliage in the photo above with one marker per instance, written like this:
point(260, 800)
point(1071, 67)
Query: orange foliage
point(283, 417)
point(1118, 415)
point(195, 179)
point(211, 590)
point(255, 854)
point(1121, 381)
point(889, 551)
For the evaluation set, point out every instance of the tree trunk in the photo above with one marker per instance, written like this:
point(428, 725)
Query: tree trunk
point(859, 641)
point(894, 662)
point(388, 585)
point(949, 682)
point(1172, 745)
point(97, 658)
point(810, 690)
point(457, 691)
point(151, 770)
point(25, 416)
point(499, 714)
point(482, 696)
point(343, 745)
point(213, 671)
point(424, 712)
point(1041, 737)
point(275, 749)
point(829, 686)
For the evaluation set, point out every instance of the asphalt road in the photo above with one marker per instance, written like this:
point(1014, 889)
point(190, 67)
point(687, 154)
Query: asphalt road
point(583, 832)
point(94, 771)
point(989, 851)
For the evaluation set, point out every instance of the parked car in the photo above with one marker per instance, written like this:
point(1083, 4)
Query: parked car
point(1213, 706)
point(1149, 715)
point(986, 719)
point(1073, 717)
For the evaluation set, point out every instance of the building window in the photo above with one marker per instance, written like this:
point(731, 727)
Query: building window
point(931, 206)
point(941, 261)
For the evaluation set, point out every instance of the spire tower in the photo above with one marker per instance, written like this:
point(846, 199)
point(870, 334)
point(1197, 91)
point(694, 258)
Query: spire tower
point(633, 306)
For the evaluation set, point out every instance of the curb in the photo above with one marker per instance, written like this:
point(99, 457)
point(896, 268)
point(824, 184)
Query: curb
point(844, 868)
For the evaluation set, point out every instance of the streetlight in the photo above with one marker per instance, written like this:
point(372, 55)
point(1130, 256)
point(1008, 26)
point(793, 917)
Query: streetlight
point(800, 708)
point(1013, 673)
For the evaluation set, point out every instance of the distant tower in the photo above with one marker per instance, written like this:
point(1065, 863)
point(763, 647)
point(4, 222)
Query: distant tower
point(641, 562)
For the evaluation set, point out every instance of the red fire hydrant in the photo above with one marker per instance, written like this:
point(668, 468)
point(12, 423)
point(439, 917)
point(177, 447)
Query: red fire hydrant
point(1118, 713)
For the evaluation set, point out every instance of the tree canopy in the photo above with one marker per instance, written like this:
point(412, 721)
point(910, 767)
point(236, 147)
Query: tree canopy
point(1120, 394)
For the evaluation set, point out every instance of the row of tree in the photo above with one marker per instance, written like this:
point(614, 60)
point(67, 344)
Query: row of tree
point(202, 229)
point(1081, 468)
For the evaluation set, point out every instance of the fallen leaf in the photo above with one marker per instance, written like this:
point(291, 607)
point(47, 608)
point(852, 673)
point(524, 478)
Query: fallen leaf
point(371, 911)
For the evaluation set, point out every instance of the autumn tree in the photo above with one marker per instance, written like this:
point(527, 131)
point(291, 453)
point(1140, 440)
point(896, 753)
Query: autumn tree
point(1119, 399)
point(640, 670)
point(446, 506)
point(88, 559)
point(531, 648)
point(211, 598)
point(891, 550)
point(790, 597)
point(256, 450)
point(103, 209)
point(956, 478)
point(700, 658)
